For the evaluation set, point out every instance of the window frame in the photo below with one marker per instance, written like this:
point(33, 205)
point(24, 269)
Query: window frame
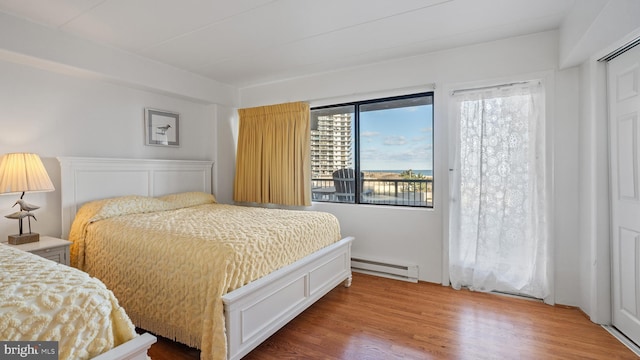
point(356, 146)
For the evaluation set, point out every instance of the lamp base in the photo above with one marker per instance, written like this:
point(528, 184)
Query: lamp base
point(24, 238)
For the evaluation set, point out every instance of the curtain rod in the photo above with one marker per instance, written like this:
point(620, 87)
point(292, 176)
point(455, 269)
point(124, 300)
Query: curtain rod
point(490, 87)
point(621, 50)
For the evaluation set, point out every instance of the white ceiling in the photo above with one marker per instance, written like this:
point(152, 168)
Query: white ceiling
point(249, 42)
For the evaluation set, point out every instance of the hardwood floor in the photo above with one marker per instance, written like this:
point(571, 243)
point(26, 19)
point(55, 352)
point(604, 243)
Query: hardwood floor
point(378, 318)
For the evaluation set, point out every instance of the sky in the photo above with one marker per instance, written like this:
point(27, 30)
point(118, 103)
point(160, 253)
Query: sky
point(397, 139)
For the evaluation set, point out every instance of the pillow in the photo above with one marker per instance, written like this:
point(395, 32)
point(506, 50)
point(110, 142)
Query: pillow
point(188, 199)
point(125, 205)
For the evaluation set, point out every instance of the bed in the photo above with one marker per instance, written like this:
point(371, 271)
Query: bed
point(41, 300)
point(225, 315)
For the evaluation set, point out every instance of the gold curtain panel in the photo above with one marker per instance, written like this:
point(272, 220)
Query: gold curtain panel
point(273, 162)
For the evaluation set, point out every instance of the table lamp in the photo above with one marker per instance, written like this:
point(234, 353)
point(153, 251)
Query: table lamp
point(23, 172)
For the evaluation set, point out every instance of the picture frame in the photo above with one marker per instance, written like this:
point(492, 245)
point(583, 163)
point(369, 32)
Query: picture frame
point(161, 128)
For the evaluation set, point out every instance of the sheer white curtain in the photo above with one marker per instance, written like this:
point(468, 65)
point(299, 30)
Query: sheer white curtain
point(498, 220)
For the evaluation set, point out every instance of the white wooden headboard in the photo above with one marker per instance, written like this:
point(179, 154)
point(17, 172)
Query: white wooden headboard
point(85, 179)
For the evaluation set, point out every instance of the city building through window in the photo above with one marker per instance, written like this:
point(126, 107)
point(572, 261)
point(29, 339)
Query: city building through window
point(374, 152)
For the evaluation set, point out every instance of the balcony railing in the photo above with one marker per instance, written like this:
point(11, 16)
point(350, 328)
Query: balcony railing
point(406, 192)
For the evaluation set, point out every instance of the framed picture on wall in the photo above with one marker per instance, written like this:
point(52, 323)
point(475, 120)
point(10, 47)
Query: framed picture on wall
point(161, 128)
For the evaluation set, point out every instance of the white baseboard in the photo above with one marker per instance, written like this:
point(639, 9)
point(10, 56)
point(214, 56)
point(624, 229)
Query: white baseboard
point(623, 339)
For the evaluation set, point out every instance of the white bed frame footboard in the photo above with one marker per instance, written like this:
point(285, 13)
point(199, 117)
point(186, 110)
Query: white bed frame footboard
point(134, 349)
point(257, 310)
point(253, 312)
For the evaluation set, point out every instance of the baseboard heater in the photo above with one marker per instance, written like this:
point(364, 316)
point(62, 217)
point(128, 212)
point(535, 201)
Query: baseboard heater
point(380, 268)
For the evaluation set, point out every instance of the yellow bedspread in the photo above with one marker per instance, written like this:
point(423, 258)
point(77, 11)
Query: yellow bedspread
point(170, 260)
point(41, 300)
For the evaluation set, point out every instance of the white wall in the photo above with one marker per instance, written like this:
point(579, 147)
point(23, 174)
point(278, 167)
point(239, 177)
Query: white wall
point(224, 170)
point(566, 180)
point(418, 235)
point(55, 114)
point(64, 96)
point(595, 265)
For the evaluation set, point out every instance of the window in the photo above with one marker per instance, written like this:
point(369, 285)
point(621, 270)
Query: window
point(374, 152)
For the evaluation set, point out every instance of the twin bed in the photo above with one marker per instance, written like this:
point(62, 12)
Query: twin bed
point(145, 228)
point(43, 300)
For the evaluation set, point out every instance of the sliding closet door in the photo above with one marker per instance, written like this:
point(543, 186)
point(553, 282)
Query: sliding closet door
point(624, 113)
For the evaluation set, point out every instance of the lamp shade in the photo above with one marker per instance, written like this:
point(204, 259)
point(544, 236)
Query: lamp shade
point(22, 172)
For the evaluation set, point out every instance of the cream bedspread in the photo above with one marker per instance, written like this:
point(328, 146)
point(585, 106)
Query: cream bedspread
point(41, 300)
point(170, 260)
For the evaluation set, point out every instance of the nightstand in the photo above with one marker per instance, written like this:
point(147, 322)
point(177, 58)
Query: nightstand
point(49, 248)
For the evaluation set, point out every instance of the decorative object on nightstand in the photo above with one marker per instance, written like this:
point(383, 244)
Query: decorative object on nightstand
point(23, 172)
